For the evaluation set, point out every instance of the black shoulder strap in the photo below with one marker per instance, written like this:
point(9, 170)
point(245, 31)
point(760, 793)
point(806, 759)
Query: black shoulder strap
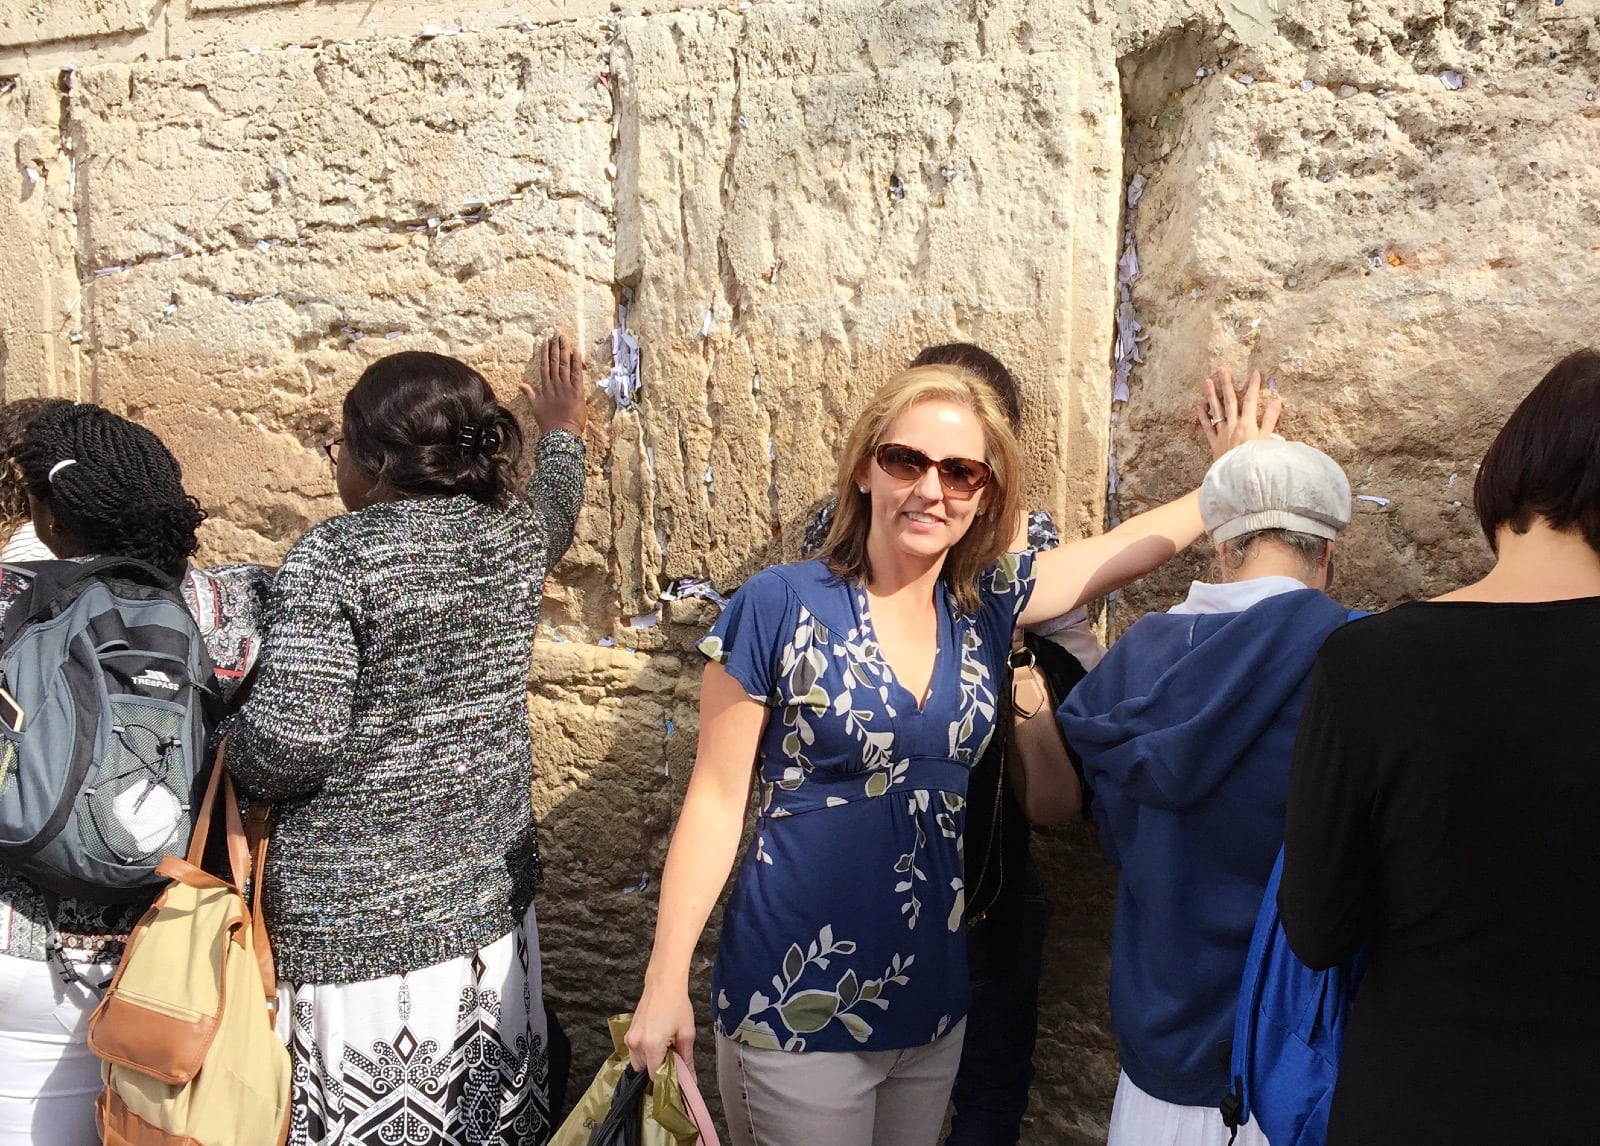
point(53, 583)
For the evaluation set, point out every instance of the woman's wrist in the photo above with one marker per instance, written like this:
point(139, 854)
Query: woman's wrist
point(667, 977)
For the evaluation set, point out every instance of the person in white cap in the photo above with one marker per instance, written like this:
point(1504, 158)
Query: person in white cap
point(1185, 731)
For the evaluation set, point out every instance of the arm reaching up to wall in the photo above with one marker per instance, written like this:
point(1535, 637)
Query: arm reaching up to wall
point(1089, 569)
point(555, 487)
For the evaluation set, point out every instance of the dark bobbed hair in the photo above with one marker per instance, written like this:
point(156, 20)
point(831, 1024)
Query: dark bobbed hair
point(123, 494)
point(404, 422)
point(1545, 462)
point(988, 369)
point(15, 418)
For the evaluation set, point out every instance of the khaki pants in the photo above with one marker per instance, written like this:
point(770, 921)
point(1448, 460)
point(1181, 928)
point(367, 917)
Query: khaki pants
point(871, 1098)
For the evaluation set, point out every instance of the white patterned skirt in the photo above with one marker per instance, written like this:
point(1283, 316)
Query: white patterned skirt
point(452, 1055)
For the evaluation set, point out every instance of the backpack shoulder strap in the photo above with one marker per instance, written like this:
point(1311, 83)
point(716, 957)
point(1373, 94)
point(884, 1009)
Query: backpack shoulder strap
point(45, 581)
point(1236, 1106)
point(53, 583)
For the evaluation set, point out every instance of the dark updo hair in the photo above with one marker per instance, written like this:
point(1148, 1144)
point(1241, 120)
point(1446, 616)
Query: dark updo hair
point(426, 424)
point(15, 418)
point(123, 494)
point(1545, 462)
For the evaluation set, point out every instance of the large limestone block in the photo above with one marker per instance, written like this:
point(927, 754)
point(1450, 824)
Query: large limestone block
point(384, 18)
point(218, 153)
point(39, 307)
point(809, 193)
point(1407, 256)
point(40, 21)
point(258, 227)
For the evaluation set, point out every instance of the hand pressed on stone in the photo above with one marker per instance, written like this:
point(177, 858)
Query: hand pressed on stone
point(559, 402)
point(1227, 420)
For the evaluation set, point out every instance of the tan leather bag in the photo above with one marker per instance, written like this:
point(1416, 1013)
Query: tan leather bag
point(1037, 762)
point(191, 1058)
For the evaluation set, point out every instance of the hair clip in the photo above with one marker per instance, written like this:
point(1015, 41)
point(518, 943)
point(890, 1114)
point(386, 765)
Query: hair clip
point(59, 466)
point(476, 439)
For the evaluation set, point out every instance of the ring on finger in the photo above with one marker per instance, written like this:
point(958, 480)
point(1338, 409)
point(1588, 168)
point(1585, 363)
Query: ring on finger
point(1216, 421)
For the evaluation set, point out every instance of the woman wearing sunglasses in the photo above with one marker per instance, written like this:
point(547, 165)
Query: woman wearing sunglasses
point(861, 687)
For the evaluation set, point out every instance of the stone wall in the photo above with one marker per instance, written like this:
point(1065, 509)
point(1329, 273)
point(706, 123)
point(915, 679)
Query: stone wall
point(213, 213)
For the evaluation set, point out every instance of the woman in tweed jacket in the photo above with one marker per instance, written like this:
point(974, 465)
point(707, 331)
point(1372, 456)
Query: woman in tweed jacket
point(389, 726)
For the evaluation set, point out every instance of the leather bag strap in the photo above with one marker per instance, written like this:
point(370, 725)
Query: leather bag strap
point(202, 819)
point(247, 861)
point(695, 1103)
point(258, 828)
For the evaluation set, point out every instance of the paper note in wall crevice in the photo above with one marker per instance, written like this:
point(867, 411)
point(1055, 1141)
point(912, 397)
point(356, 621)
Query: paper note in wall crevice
point(622, 383)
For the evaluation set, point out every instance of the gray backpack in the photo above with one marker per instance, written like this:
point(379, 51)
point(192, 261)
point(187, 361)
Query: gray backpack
point(116, 701)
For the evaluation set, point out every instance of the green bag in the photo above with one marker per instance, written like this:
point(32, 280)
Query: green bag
point(670, 1113)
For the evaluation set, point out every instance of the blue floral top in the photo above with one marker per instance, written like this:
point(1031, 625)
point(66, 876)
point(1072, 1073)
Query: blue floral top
point(844, 930)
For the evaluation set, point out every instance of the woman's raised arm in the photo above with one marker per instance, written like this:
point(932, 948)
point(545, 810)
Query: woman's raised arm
point(555, 487)
point(1086, 570)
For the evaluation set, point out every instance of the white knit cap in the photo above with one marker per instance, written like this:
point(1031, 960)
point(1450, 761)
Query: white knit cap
point(1273, 484)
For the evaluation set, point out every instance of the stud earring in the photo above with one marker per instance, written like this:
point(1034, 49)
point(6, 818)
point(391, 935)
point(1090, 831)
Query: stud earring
point(862, 488)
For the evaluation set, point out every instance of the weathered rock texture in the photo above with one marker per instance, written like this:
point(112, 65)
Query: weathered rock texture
point(213, 213)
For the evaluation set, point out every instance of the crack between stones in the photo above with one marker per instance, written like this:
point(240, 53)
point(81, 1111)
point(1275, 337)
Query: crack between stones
point(727, 276)
point(624, 298)
point(73, 320)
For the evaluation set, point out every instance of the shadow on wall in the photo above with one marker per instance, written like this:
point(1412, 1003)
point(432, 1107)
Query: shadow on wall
point(1075, 1062)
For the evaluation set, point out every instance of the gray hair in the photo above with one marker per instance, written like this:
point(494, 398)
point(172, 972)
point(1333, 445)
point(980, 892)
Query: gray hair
point(1307, 549)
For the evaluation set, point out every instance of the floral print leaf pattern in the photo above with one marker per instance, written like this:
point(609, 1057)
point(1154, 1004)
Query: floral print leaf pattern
point(809, 1011)
point(806, 1011)
point(758, 1035)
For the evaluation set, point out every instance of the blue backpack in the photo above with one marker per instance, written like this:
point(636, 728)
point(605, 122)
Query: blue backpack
point(1288, 1034)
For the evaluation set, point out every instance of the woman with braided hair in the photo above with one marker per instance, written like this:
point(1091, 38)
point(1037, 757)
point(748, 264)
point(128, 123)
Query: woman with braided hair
point(390, 728)
point(97, 486)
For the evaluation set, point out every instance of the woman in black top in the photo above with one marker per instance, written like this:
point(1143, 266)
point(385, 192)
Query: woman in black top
point(1443, 808)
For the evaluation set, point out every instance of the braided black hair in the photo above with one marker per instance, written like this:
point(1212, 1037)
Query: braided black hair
point(15, 418)
point(425, 424)
point(122, 493)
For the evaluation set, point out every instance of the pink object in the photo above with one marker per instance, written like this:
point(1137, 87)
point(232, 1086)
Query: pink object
point(696, 1104)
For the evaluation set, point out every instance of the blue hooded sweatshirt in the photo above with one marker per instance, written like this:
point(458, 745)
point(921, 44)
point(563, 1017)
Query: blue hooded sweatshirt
point(1185, 731)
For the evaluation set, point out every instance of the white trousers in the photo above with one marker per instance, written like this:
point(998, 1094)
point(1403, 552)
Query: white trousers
point(49, 1078)
point(1137, 1119)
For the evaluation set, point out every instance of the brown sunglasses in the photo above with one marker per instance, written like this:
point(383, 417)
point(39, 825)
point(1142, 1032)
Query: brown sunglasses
point(956, 475)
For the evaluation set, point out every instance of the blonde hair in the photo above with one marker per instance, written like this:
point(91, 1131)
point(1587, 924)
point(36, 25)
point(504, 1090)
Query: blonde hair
point(845, 550)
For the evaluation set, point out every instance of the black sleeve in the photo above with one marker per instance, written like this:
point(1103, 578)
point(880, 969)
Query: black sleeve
point(1326, 897)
